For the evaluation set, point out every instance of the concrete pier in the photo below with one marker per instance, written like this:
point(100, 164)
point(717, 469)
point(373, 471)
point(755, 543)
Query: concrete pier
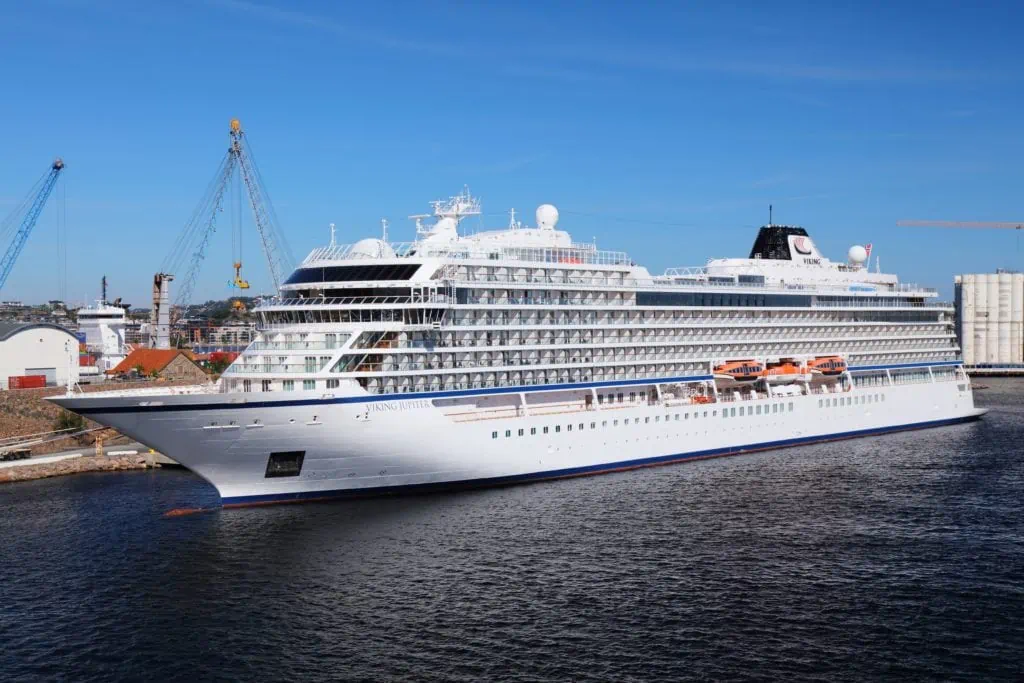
point(105, 459)
point(995, 370)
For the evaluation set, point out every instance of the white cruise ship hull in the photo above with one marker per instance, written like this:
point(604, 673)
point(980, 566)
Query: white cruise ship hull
point(363, 444)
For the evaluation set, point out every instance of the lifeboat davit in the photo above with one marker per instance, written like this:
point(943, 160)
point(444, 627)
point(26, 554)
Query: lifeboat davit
point(829, 366)
point(742, 371)
point(784, 372)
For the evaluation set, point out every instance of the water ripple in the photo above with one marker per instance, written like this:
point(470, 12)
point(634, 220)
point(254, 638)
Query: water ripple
point(892, 557)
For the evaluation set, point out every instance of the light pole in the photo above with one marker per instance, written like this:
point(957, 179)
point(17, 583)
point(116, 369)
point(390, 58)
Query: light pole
point(67, 352)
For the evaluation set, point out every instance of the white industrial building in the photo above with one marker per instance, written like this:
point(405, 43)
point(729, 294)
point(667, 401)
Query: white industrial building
point(990, 318)
point(37, 349)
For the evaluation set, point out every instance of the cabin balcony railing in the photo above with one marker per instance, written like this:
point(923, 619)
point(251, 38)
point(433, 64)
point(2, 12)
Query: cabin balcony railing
point(294, 346)
point(440, 299)
point(274, 370)
point(275, 303)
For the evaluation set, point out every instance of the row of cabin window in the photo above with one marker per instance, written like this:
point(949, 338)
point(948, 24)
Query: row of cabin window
point(289, 385)
point(773, 409)
point(621, 397)
point(777, 408)
point(851, 400)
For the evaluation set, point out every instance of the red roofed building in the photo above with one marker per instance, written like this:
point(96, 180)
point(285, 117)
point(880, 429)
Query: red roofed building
point(171, 364)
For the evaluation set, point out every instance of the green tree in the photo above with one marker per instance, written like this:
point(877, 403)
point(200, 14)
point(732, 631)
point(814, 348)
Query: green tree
point(67, 420)
point(217, 367)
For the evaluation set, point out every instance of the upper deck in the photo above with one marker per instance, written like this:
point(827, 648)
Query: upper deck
point(441, 264)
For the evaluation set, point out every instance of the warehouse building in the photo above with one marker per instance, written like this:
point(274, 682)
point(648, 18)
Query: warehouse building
point(37, 349)
point(990, 318)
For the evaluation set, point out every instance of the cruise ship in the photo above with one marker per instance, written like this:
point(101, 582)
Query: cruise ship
point(465, 359)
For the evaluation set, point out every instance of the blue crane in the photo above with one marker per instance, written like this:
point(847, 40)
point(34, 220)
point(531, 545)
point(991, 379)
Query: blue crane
point(35, 201)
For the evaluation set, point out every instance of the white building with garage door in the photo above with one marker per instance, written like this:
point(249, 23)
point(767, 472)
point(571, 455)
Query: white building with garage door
point(37, 349)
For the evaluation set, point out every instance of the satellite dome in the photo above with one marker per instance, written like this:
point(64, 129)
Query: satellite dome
point(857, 254)
point(371, 248)
point(547, 217)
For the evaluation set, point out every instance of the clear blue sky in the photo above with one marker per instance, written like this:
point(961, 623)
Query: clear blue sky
point(664, 129)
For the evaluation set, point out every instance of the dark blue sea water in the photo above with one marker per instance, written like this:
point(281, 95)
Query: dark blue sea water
point(895, 557)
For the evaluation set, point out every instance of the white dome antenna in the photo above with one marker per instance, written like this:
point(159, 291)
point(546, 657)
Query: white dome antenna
point(857, 255)
point(547, 217)
point(371, 248)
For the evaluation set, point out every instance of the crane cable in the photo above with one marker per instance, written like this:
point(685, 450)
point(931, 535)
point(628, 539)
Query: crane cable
point(203, 218)
point(287, 258)
point(60, 216)
point(12, 223)
point(236, 222)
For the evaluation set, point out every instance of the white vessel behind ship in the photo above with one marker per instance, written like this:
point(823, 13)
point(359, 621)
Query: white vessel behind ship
point(517, 354)
point(103, 325)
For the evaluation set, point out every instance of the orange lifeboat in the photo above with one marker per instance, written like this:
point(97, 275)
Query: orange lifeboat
point(784, 372)
point(739, 371)
point(829, 366)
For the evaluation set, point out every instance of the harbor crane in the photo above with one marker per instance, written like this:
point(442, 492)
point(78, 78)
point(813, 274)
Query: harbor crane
point(189, 251)
point(979, 225)
point(30, 209)
point(961, 224)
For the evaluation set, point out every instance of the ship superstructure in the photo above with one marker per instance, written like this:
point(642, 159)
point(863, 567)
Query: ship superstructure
point(468, 359)
point(103, 325)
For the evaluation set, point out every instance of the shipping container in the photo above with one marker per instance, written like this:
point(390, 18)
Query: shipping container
point(26, 381)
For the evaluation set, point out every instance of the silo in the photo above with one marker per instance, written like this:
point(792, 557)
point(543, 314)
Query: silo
point(980, 319)
point(1017, 319)
point(1005, 286)
point(992, 301)
point(965, 317)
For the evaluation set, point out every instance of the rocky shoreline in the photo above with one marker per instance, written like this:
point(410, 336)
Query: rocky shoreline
point(86, 463)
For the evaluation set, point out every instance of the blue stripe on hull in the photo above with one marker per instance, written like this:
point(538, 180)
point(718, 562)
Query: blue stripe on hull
point(241, 501)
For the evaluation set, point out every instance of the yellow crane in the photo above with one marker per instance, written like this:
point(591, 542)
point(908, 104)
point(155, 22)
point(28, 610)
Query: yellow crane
point(236, 175)
point(236, 224)
point(238, 281)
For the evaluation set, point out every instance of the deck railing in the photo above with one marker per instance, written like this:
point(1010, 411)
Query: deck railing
point(574, 254)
